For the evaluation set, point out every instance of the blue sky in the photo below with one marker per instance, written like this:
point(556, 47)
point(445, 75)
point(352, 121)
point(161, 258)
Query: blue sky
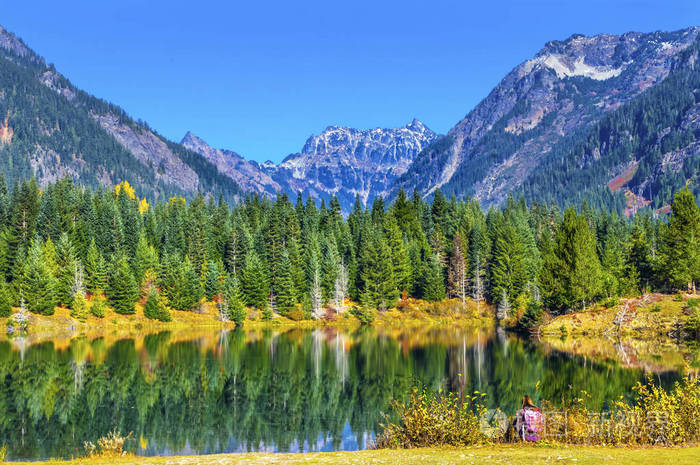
point(259, 77)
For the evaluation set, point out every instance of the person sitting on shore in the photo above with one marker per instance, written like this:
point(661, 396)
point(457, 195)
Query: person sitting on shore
point(528, 421)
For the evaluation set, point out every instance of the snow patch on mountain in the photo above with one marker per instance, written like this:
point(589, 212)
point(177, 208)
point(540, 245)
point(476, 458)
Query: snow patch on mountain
point(558, 63)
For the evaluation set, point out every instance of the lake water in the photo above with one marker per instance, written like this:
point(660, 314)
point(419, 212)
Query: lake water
point(317, 390)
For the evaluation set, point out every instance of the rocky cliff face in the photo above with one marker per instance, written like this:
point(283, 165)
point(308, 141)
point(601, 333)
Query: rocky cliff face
point(340, 161)
point(349, 162)
point(248, 174)
point(567, 86)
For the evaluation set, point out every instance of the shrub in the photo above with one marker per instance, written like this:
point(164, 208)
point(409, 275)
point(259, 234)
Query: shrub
point(655, 417)
point(155, 308)
point(3, 452)
point(611, 302)
point(693, 302)
point(656, 308)
point(295, 314)
point(364, 314)
point(79, 309)
point(692, 325)
point(111, 445)
point(430, 419)
point(99, 306)
point(236, 310)
point(266, 313)
point(532, 316)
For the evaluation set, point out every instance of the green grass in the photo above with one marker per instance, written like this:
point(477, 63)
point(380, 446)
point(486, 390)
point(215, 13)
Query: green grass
point(515, 455)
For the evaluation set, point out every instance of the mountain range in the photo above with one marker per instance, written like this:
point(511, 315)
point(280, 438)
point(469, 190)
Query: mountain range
point(611, 119)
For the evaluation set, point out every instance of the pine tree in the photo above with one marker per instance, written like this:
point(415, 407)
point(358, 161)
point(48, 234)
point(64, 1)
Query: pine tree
point(508, 271)
point(150, 309)
point(123, 291)
point(571, 273)
point(6, 300)
point(190, 290)
point(681, 242)
point(99, 306)
point(154, 308)
point(38, 285)
point(233, 300)
point(213, 285)
point(254, 281)
point(434, 282)
point(379, 288)
point(285, 292)
point(66, 264)
point(95, 270)
point(79, 307)
point(145, 259)
point(401, 265)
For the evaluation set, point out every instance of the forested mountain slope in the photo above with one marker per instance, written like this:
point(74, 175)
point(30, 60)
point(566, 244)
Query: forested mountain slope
point(522, 136)
point(648, 148)
point(52, 129)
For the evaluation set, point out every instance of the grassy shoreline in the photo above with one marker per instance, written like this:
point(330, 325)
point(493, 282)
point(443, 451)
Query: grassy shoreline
point(62, 327)
point(493, 454)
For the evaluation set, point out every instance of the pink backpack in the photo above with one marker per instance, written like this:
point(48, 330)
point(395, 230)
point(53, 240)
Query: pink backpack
point(533, 424)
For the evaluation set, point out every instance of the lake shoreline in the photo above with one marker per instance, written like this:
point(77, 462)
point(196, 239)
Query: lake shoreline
point(521, 454)
point(61, 326)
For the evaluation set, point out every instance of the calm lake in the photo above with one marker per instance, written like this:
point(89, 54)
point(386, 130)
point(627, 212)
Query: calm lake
point(301, 390)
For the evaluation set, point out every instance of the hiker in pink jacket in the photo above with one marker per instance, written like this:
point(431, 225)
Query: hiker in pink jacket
point(528, 421)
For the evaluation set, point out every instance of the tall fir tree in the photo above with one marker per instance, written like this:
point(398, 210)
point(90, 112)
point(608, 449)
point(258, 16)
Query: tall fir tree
point(434, 281)
point(122, 290)
point(95, 270)
point(572, 272)
point(254, 282)
point(285, 292)
point(681, 242)
point(38, 285)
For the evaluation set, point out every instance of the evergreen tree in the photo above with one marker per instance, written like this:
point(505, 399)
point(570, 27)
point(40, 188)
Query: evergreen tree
point(99, 306)
point(95, 270)
point(401, 265)
point(189, 290)
point(254, 281)
point(155, 308)
point(285, 292)
point(234, 300)
point(66, 264)
point(571, 268)
point(122, 290)
point(213, 282)
point(681, 242)
point(145, 259)
point(79, 307)
point(508, 272)
point(6, 300)
point(434, 281)
point(379, 287)
point(38, 285)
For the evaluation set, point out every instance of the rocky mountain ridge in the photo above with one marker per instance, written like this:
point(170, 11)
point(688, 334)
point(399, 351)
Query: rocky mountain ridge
point(608, 118)
point(340, 161)
point(565, 88)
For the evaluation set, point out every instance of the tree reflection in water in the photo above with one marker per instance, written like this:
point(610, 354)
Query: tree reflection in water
point(236, 391)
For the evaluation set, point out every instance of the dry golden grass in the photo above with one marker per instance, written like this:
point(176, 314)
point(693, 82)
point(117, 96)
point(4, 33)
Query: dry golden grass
point(502, 455)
